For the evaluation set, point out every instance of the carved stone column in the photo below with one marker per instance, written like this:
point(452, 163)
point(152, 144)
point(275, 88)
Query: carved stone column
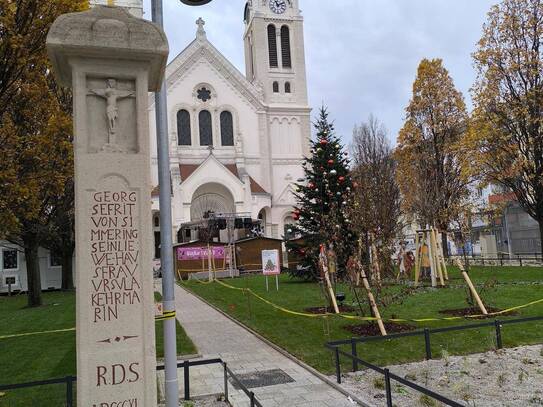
point(111, 60)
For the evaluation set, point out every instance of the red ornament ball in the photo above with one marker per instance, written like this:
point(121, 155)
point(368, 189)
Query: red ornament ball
point(324, 141)
point(311, 185)
point(330, 162)
point(341, 179)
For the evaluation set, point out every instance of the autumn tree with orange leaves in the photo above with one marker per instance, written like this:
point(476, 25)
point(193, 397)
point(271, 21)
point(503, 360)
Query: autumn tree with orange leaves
point(430, 175)
point(505, 141)
point(35, 129)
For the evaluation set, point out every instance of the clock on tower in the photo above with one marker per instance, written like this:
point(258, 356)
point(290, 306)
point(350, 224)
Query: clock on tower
point(278, 6)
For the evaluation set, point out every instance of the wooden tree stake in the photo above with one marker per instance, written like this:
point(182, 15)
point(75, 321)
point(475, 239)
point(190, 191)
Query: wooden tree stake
point(471, 287)
point(417, 258)
point(437, 262)
point(371, 300)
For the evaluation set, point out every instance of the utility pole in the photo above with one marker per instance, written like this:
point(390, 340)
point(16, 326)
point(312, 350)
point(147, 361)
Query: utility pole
point(171, 387)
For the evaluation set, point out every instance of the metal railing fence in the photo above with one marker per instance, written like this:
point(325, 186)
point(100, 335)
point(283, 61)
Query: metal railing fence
point(426, 333)
point(185, 365)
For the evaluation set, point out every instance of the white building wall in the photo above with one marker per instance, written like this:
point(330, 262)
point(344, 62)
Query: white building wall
point(51, 276)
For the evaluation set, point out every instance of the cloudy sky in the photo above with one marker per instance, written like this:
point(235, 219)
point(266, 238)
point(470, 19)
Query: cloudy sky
point(361, 55)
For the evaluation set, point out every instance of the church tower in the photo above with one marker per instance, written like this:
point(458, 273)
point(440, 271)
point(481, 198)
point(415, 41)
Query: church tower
point(274, 50)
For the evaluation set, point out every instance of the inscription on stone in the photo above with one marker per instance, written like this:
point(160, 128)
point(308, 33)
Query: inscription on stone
point(115, 253)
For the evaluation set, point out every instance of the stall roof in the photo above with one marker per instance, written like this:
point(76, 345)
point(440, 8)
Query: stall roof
point(246, 239)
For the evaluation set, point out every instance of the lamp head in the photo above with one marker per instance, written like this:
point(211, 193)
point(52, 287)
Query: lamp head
point(194, 2)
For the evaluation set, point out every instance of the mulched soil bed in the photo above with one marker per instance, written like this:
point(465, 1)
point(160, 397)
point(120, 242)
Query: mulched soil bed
point(321, 310)
point(373, 329)
point(464, 312)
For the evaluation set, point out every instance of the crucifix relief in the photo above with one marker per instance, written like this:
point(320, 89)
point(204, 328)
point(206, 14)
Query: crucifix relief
point(112, 96)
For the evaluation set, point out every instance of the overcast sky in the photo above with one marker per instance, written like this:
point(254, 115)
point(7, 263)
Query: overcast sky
point(361, 55)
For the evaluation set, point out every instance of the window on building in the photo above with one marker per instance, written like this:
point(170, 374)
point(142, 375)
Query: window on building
point(183, 128)
point(251, 56)
point(285, 47)
point(272, 46)
point(10, 259)
point(287, 87)
point(205, 126)
point(275, 87)
point(288, 232)
point(203, 94)
point(55, 259)
point(156, 221)
point(227, 129)
point(157, 245)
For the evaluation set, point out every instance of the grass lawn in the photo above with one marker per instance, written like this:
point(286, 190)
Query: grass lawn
point(47, 356)
point(304, 337)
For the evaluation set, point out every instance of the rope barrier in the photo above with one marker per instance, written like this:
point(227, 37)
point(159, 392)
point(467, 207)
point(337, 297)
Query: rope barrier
point(36, 333)
point(359, 318)
point(203, 270)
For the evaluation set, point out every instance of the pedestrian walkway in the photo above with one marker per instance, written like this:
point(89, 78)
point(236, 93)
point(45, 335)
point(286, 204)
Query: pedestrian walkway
point(217, 336)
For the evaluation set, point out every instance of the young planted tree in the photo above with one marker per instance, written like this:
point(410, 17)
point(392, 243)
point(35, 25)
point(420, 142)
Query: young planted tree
point(429, 167)
point(322, 199)
point(35, 129)
point(375, 204)
point(506, 134)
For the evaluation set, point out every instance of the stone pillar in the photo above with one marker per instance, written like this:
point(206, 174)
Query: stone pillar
point(111, 60)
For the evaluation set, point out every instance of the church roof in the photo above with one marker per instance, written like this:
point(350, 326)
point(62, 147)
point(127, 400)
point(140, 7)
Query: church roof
point(200, 48)
point(186, 171)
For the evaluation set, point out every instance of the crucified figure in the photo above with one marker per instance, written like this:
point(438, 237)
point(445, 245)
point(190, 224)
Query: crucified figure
point(111, 94)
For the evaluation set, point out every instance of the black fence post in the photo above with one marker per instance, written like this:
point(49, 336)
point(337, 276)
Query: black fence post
point(501, 260)
point(387, 388)
point(338, 367)
point(427, 344)
point(186, 379)
point(520, 260)
point(69, 392)
point(355, 354)
point(225, 383)
point(252, 397)
point(499, 343)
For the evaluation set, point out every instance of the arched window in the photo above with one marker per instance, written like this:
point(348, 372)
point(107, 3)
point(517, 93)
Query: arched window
point(183, 128)
point(272, 46)
point(287, 87)
point(227, 129)
point(285, 47)
point(275, 87)
point(205, 126)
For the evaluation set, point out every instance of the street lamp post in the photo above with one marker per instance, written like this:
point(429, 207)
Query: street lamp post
point(171, 387)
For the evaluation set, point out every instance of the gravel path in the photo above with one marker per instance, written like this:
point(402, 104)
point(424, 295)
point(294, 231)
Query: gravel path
point(508, 377)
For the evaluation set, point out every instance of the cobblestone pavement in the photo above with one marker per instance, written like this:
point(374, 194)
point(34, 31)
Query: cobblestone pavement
point(217, 336)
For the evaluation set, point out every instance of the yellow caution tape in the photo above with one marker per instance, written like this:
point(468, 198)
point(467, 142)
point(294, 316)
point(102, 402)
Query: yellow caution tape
point(202, 281)
point(216, 270)
point(36, 333)
point(165, 315)
point(359, 318)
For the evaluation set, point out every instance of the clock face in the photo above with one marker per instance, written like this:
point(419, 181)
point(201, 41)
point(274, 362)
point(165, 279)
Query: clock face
point(278, 6)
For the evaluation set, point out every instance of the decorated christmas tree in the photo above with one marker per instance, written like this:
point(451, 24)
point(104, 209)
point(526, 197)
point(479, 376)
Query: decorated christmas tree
point(322, 197)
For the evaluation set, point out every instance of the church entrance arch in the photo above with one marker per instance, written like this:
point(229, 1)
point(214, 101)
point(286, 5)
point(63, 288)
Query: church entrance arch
point(264, 216)
point(211, 198)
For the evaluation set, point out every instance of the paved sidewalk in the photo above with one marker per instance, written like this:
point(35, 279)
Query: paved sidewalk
point(217, 336)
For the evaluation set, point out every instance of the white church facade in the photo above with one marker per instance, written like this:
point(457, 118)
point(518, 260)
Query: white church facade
point(237, 141)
